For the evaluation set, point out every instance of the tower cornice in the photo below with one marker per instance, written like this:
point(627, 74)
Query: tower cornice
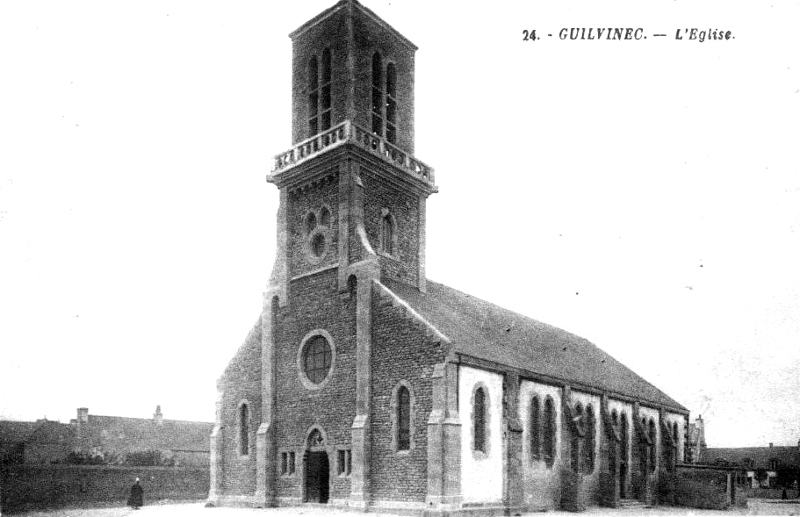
point(312, 157)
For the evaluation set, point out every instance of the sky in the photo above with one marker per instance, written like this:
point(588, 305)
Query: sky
point(642, 194)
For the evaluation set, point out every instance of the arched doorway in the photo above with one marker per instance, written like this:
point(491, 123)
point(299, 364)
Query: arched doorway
point(316, 469)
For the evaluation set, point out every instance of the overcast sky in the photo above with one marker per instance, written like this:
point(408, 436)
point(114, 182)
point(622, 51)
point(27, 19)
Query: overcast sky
point(642, 194)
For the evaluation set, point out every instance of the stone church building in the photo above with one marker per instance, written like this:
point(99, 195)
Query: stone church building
point(363, 384)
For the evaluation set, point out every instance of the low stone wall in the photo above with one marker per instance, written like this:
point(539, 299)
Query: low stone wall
point(29, 486)
point(701, 487)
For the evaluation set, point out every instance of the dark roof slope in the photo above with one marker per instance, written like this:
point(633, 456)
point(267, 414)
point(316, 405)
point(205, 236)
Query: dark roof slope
point(483, 330)
point(12, 431)
point(146, 433)
point(247, 355)
point(760, 456)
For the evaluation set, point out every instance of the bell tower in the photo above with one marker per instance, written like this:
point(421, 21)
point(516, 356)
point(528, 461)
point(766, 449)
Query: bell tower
point(352, 193)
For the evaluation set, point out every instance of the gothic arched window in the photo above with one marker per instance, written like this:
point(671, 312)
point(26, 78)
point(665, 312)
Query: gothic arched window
point(391, 103)
point(377, 94)
point(623, 451)
point(403, 419)
point(549, 429)
point(387, 234)
point(535, 428)
point(651, 430)
point(244, 429)
point(313, 96)
point(479, 420)
point(325, 91)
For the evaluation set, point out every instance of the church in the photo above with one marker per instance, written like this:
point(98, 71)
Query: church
point(364, 385)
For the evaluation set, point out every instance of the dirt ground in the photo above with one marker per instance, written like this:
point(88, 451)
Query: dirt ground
point(755, 507)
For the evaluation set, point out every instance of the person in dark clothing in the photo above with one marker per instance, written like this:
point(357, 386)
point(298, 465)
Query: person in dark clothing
point(137, 496)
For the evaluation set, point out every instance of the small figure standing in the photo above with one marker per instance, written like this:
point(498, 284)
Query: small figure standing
point(137, 496)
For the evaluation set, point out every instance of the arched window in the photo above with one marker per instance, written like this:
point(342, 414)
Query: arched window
point(623, 450)
point(325, 91)
point(549, 431)
point(535, 428)
point(652, 433)
point(244, 429)
point(391, 103)
point(387, 234)
point(479, 420)
point(588, 439)
point(377, 94)
point(403, 419)
point(313, 97)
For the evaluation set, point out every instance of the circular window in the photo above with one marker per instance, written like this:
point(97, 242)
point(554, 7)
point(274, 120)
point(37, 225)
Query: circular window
point(318, 245)
point(317, 358)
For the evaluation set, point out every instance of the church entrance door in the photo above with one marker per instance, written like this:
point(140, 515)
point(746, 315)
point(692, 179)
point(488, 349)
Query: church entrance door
point(317, 477)
point(623, 474)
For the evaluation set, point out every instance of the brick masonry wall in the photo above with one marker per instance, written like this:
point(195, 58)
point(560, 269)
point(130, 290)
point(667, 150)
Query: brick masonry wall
point(401, 350)
point(241, 381)
point(315, 304)
point(29, 486)
point(314, 198)
point(404, 266)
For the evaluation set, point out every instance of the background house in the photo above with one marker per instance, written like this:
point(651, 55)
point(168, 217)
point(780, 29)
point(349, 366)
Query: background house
point(106, 439)
point(761, 464)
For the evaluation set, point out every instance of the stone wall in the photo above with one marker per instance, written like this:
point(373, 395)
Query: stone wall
point(403, 265)
point(315, 305)
point(401, 352)
point(33, 486)
point(241, 383)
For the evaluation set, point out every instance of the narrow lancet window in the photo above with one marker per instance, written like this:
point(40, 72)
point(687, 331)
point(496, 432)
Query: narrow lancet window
point(313, 97)
point(325, 91)
point(391, 103)
point(479, 421)
point(244, 429)
point(535, 429)
point(377, 95)
point(403, 419)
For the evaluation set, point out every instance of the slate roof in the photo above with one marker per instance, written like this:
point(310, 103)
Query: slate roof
point(483, 330)
point(12, 431)
point(761, 456)
point(145, 434)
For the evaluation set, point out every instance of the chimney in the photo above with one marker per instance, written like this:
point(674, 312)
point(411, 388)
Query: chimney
point(83, 415)
point(158, 417)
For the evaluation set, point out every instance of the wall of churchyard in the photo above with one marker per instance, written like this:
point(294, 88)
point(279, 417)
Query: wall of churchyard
point(481, 472)
point(402, 354)
point(315, 305)
point(542, 474)
point(35, 486)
